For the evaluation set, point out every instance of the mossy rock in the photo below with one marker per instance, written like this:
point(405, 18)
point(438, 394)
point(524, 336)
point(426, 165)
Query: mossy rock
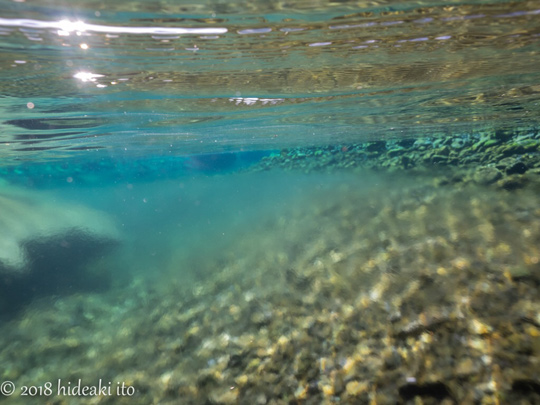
point(395, 152)
point(491, 142)
point(442, 151)
point(512, 149)
point(377, 146)
point(406, 162)
point(531, 145)
point(503, 135)
point(438, 159)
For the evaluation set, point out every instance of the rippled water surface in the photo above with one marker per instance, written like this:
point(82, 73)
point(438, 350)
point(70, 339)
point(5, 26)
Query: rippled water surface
point(149, 78)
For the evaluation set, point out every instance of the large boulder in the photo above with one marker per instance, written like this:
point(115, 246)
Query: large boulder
point(46, 245)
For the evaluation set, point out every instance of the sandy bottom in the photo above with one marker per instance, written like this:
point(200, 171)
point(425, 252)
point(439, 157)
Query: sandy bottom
point(285, 289)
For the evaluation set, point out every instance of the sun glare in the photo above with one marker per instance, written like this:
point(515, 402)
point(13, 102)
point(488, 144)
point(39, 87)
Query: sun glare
point(86, 76)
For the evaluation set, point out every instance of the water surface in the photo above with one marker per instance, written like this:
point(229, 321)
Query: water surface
point(169, 79)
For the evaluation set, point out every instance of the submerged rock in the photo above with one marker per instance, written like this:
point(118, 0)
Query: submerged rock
point(30, 217)
point(512, 182)
point(487, 175)
point(45, 246)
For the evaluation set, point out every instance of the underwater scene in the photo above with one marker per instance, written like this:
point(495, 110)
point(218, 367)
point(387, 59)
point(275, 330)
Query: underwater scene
point(269, 202)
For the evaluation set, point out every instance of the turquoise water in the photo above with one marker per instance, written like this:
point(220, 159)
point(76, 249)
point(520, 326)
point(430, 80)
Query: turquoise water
point(269, 203)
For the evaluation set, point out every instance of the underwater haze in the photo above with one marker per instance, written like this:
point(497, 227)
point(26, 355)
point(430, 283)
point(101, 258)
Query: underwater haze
point(269, 202)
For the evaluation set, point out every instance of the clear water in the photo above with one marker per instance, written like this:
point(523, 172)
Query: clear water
point(269, 202)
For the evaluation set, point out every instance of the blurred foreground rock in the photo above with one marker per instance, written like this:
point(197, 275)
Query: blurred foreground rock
point(46, 244)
